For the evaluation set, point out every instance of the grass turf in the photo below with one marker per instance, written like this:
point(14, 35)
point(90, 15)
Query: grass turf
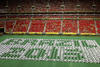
point(31, 63)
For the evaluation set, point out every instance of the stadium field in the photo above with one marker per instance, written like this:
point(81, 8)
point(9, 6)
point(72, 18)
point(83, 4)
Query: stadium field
point(28, 62)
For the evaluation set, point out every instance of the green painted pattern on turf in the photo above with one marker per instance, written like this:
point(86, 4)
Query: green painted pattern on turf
point(29, 63)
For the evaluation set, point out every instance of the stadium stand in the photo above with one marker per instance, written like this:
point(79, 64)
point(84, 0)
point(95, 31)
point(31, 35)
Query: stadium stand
point(70, 26)
point(1, 24)
point(87, 26)
point(53, 26)
point(57, 27)
point(9, 26)
point(26, 6)
point(98, 26)
point(21, 26)
point(37, 26)
point(38, 6)
point(50, 22)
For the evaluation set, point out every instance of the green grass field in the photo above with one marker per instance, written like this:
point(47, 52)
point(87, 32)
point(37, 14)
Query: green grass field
point(33, 63)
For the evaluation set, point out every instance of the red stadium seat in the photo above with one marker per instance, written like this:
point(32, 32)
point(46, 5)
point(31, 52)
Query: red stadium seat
point(87, 26)
point(21, 26)
point(37, 26)
point(53, 26)
point(9, 26)
point(98, 26)
point(70, 26)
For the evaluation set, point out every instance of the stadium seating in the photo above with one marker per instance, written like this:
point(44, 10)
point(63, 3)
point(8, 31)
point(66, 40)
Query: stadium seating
point(69, 26)
point(9, 26)
point(98, 26)
point(21, 26)
point(50, 25)
point(98, 6)
point(53, 26)
point(86, 17)
point(37, 26)
point(87, 26)
point(11, 16)
point(1, 24)
point(70, 5)
point(38, 16)
point(54, 16)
